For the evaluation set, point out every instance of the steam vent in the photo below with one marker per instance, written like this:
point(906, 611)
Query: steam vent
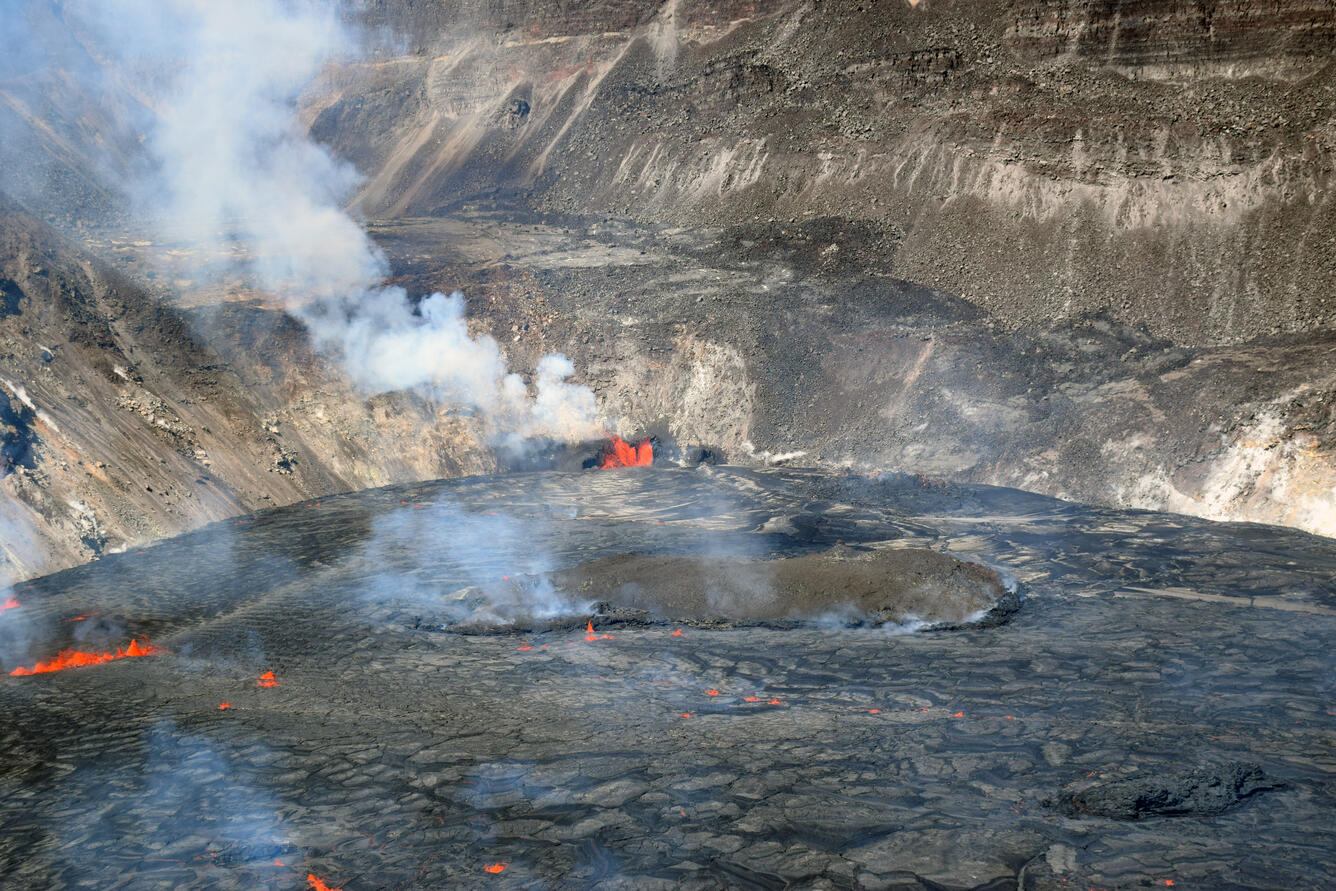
point(667, 444)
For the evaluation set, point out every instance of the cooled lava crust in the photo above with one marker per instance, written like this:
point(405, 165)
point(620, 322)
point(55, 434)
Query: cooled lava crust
point(1160, 710)
point(908, 588)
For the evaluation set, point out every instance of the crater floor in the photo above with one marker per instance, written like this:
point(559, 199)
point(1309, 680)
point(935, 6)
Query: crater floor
point(390, 755)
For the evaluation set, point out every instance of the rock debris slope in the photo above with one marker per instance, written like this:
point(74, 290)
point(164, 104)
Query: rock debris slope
point(118, 426)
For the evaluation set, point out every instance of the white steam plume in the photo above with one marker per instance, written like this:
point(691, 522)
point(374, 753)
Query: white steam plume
point(233, 167)
point(21, 550)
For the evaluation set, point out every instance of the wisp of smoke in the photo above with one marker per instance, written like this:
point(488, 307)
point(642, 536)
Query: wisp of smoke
point(235, 173)
point(189, 795)
point(21, 550)
point(498, 556)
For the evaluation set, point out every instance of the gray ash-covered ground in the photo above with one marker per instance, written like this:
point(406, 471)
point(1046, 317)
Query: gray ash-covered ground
point(1151, 650)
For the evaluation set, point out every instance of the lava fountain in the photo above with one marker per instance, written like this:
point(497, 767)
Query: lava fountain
point(621, 453)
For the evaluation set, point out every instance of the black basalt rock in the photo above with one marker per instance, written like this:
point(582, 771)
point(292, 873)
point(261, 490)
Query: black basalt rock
point(1202, 792)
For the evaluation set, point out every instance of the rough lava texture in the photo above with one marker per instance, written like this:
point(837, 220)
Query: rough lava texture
point(389, 754)
point(1202, 792)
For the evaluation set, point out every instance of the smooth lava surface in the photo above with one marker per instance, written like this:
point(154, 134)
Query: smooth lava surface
point(1162, 709)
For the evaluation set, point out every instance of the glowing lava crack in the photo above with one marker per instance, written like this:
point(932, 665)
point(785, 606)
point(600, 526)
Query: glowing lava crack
point(75, 659)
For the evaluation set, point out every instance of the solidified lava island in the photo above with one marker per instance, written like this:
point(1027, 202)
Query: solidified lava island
point(667, 444)
point(905, 588)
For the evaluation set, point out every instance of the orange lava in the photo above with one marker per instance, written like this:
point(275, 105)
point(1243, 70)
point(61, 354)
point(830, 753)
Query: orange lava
point(622, 454)
point(224, 705)
point(589, 631)
point(958, 715)
point(74, 658)
point(495, 868)
point(686, 714)
point(711, 692)
point(523, 647)
point(677, 633)
point(318, 884)
point(10, 603)
point(267, 680)
point(776, 702)
point(752, 699)
point(874, 711)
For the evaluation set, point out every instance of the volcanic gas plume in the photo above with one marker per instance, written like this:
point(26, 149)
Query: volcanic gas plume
point(235, 175)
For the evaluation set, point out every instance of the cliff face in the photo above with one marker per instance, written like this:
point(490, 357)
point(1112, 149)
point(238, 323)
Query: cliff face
point(119, 425)
point(1179, 39)
point(1168, 163)
point(1162, 165)
point(787, 341)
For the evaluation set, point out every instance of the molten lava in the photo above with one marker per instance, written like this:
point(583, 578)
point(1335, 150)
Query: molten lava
point(319, 884)
point(10, 603)
point(621, 453)
point(74, 658)
point(495, 868)
point(267, 680)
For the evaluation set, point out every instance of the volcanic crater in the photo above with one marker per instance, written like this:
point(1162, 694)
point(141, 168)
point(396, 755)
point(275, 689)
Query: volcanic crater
point(667, 444)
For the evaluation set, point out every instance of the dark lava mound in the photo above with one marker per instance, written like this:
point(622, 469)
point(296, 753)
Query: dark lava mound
point(1201, 792)
point(912, 587)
